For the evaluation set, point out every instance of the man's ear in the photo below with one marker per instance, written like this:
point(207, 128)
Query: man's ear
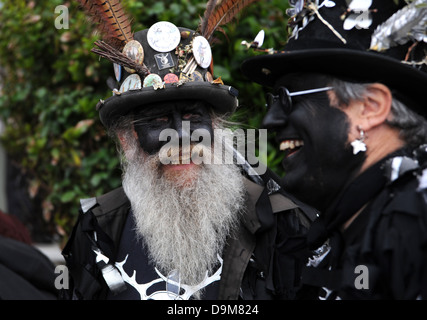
point(376, 106)
point(122, 139)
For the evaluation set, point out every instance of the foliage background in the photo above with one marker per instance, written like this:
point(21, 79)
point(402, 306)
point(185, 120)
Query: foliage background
point(50, 83)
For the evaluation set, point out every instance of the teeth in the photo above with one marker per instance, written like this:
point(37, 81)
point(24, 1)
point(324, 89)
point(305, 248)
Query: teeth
point(290, 144)
point(180, 160)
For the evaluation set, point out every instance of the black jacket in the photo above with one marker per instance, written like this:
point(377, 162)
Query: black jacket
point(25, 272)
point(263, 262)
point(383, 253)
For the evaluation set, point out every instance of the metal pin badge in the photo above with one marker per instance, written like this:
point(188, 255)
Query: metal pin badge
point(152, 80)
point(133, 82)
point(202, 51)
point(196, 76)
point(163, 36)
point(170, 78)
point(133, 50)
point(164, 60)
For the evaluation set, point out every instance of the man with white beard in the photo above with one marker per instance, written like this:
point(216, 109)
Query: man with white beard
point(178, 203)
point(181, 228)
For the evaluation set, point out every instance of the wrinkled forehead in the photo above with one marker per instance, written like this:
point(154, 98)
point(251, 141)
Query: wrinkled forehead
point(175, 106)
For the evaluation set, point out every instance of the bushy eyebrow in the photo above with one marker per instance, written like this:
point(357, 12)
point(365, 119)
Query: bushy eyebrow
point(158, 110)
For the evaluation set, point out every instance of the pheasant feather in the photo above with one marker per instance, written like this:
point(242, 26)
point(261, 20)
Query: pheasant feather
point(111, 20)
point(219, 13)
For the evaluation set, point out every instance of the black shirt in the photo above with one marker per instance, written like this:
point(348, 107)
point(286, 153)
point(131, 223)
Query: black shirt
point(144, 281)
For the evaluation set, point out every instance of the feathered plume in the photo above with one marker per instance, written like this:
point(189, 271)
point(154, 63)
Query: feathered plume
point(111, 20)
point(219, 13)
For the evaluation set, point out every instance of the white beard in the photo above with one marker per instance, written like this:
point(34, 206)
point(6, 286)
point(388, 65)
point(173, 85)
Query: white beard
point(184, 225)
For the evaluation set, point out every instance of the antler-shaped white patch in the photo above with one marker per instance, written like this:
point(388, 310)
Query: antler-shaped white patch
point(166, 295)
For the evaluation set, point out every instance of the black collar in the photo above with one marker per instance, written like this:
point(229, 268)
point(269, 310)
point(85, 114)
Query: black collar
point(351, 199)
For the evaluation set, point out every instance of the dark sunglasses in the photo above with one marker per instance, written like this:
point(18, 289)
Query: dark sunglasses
point(285, 97)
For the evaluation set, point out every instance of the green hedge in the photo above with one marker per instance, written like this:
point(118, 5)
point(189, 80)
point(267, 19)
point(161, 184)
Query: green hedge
point(50, 83)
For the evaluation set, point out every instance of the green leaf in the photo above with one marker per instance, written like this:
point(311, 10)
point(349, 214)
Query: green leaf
point(68, 196)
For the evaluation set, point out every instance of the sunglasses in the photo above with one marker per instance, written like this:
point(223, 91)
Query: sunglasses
point(285, 97)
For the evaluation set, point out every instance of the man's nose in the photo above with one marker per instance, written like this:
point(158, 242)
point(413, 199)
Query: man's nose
point(275, 117)
point(182, 127)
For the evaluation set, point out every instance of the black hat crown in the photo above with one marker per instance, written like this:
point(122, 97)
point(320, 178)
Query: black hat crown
point(162, 63)
point(173, 63)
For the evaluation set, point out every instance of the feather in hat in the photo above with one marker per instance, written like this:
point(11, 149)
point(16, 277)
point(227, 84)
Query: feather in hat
point(219, 13)
point(111, 21)
point(115, 28)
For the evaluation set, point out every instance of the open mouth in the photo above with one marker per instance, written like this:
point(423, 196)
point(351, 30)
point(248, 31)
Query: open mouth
point(290, 147)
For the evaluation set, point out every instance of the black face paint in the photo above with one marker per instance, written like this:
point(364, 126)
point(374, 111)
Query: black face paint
point(316, 171)
point(150, 122)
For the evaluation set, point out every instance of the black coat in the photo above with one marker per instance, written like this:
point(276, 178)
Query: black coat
point(383, 253)
point(25, 273)
point(273, 231)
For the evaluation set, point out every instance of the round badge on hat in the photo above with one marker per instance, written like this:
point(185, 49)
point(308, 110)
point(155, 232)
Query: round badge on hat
point(133, 82)
point(152, 80)
point(196, 76)
point(133, 50)
point(202, 51)
point(163, 36)
point(170, 78)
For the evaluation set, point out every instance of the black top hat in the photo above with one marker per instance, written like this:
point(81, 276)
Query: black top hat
point(178, 65)
point(354, 40)
point(162, 63)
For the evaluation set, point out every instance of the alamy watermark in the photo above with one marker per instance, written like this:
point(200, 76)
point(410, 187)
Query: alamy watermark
point(62, 280)
point(62, 21)
point(362, 280)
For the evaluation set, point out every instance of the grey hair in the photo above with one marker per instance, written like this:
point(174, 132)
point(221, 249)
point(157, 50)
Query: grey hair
point(412, 126)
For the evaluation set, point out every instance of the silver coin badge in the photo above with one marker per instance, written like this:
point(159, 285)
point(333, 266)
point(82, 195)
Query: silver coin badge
point(202, 51)
point(133, 82)
point(163, 36)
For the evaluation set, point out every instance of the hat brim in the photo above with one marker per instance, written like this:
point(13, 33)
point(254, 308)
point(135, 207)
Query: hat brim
point(349, 65)
point(222, 98)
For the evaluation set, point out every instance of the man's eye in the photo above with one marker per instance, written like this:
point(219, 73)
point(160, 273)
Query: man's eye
point(191, 116)
point(161, 119)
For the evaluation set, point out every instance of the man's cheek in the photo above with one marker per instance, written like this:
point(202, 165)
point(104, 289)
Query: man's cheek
point(150, 141)
point(201, 133)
